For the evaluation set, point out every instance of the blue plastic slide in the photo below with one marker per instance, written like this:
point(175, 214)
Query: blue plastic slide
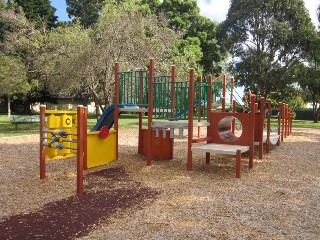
point(107, 118)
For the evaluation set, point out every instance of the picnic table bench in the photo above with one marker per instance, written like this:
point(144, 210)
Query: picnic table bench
point(23, 119)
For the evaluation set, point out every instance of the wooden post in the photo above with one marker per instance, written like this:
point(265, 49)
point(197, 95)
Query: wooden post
point(261, 123)
point(268, 127)
point(287, 121)
point(233, 109)
point(190, 118)
point(223, 105)
point(85, 144)
point(80, 152)
point(116, 105)
point(279, 122)
point(209, 106)
point(238, 164)
point(173, 91)
point(251, 135)
point(224, 86)
point(42, 140)
point(140, 143)
point(150, 112)
point(199, 103)
point(282, 121)
point(232, 90)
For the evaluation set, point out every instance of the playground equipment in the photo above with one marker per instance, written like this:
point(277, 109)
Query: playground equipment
point(63, 134)
point(171, 104)
point(56, 140)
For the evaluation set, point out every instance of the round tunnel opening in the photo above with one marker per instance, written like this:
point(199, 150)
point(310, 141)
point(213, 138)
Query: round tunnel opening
point(227, 129)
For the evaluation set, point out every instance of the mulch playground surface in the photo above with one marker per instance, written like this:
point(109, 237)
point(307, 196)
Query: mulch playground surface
point(107, 193)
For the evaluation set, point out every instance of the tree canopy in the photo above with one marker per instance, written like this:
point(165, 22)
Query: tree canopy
point(266, 39)
point(41, 11)
point(86, 11)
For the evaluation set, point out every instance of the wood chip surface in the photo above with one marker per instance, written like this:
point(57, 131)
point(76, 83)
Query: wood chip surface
point(277, 199)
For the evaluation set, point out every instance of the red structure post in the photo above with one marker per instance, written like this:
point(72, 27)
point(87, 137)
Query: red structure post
point(190, 118)
point(42, 140)
point(199, 103)
point(234, 109)
point(232, 89)
point(268, 127)
point(209, 105)
point(150, 112)
point(80, 148)
point(238, 164)
point(261, 123)
point(251, 134)
point(116, 105)
point(224, 85)
point(283, 116)
point(85, 144)
point(140, 144)
point(173, 91)
point(224, 91)
point(286, 121)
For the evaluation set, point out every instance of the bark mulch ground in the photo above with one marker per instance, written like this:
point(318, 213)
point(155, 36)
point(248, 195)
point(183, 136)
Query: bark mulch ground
point(107, 192)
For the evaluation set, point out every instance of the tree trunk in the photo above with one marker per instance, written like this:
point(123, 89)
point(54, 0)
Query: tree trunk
point(8, 105)
point(316, 115)
point(98, 108)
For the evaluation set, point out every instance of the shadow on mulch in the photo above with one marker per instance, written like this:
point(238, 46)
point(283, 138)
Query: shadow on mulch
point(106, 193)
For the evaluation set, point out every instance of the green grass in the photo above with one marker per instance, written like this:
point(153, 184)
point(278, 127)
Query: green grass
point(7, 129)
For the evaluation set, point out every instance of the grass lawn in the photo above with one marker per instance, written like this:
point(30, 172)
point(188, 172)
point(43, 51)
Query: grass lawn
point(7, 129)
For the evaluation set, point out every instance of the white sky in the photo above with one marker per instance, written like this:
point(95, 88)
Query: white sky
point(217, 9)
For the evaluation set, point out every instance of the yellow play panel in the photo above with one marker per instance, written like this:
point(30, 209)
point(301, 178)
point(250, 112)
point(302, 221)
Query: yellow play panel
point(100, 151)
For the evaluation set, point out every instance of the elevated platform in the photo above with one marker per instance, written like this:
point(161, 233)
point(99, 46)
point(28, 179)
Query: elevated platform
point(220, 148)
point(274, 137)
point(172, 125)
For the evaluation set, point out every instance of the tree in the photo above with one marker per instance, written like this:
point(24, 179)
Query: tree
point(205, 30)
point(41, 11)
point(13, 76)
point(82, 60)
point(86, 11)
point(184, 18)
point(309, 78)
point(186, 54)
point(154, 5)
point(266, 40)
point(13, 79)
point(308, 74)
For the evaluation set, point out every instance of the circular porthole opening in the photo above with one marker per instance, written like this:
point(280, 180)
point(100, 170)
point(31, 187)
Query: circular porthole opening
point(230, 129)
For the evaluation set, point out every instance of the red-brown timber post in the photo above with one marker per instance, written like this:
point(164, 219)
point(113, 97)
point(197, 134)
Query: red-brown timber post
point(209, 105)
point(234, 109)
point(150, 112)
point(268, 127)
point(85, 144)
point(190, 118)
point(116, 105)
point(287, 121)
point(283, 116)
point(199, 103)
point(173, 90)
point(251, 135)
point(261, 123)
point(80, 152)
point(224, 91)
point(42, 147)
point(140, 113)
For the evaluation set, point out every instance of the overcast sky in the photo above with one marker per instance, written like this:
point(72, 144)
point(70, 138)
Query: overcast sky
point(217, 9)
